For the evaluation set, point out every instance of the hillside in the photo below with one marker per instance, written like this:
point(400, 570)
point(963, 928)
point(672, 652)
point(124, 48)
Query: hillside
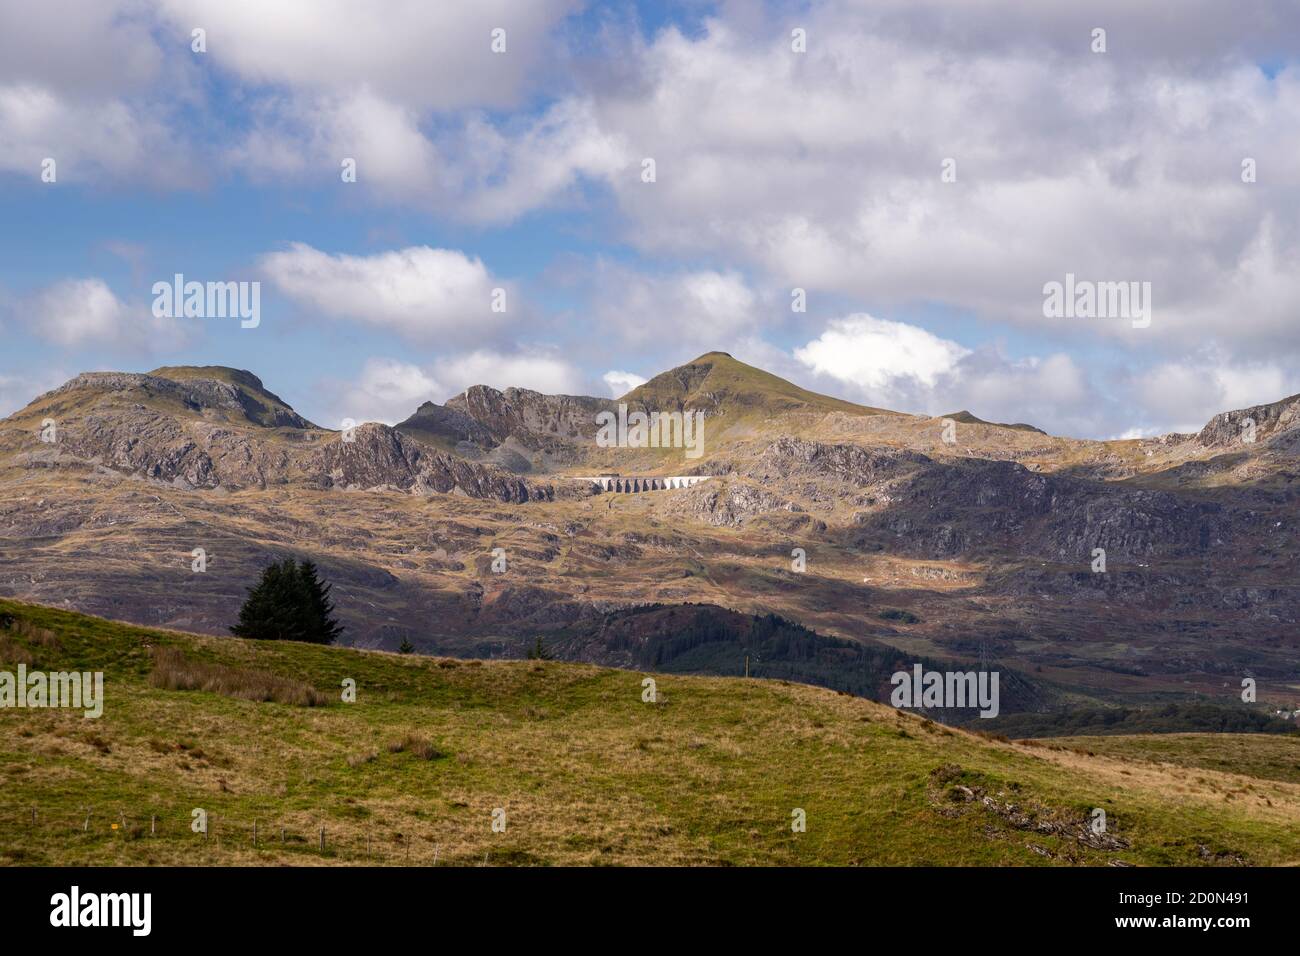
point(978, 549)
point(723, 387)
point(584, 770)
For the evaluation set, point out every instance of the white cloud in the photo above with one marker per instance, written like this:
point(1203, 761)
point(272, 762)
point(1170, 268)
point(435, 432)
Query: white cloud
point(1184, 395)
point(87, 140)
point(872, 353)
point(419, 291)
point(388, 390)
point(540, 371)
point(311, 137)
point(1117, 168)
point(620, 383)
point(498, 177)
point(75, 312)
point(85, 84)
point(905, 368)
point(694, 308)
point(426, 55)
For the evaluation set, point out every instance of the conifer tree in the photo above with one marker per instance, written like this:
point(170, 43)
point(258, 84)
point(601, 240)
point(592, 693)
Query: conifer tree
point(289, 603)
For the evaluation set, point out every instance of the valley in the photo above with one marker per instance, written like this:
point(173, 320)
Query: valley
point(976, 550)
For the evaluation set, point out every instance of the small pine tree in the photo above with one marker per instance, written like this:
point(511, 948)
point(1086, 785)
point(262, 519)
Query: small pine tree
point(540, 652)
point(406, 647)
point(322, 627)
point(289, 603)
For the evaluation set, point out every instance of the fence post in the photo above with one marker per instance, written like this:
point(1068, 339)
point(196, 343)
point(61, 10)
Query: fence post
point(153, 824)
point(322, 839)
point(85, 827)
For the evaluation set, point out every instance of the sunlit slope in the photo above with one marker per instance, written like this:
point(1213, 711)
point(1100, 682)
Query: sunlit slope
point(583, 770)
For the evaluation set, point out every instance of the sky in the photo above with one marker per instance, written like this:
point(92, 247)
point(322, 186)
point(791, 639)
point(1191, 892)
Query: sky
point(868, 198)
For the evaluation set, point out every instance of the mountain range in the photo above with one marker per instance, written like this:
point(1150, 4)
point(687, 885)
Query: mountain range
point(888, 537)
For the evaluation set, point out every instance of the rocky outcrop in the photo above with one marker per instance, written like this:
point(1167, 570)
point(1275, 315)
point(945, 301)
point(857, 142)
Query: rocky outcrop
point(1246, 426)
point(191, 454)
point(730, 503)
point(548, 422)
point(377, 456)
point(435, 421)
point(953, 508)
point(791, 458)
point(243, 397)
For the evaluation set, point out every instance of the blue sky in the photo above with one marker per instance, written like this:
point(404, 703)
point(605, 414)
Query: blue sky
point(777, 168)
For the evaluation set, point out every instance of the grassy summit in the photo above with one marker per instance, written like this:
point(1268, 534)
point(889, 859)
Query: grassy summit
point(584, 770)
point(720, 385)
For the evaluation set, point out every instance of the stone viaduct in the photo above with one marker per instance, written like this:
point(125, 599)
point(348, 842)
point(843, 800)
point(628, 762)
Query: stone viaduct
point(629, 483)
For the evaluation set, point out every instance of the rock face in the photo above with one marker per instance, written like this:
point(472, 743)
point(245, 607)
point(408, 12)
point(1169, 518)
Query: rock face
point(546, 422)
point(730, 503)
point(196, 454)
point(243, 396)
point(435, 530)
point(790, 458)
point(1233, 429)
point(444, 422)
point(940, 509)
point(379, 457)
point(216, 427)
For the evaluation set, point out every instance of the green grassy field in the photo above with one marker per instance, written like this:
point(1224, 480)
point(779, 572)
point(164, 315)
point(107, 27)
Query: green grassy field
point(1268, 757)
point(583, 770)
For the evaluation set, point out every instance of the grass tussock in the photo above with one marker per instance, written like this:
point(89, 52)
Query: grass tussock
point(604, 779)
point(15, 652)
point(11, 652)
point(172, 670)
point(416, 747)
point(40, 636)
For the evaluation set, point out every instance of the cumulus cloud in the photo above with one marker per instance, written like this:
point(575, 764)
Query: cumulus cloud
point(620, 383)
point(85, 84)
point(872, 353)
point(1184, 395)
point(419, 292)
point(541, 371)
point(774, 170)
point(296, 136)
point(692, 308)
point(903, 367)
point(387, 390)
point(76, 312)
point(87, 140)
point(78, 47)
point(426, 55)
point(1115, 167)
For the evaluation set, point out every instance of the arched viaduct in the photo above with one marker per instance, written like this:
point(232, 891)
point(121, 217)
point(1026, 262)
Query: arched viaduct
point(633, 483)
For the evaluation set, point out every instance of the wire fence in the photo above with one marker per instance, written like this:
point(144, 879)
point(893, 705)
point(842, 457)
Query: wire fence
point(360, 843)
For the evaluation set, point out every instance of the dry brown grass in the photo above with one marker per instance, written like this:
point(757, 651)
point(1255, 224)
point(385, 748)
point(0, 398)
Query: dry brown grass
point(40, 636)
point(417, 747)
point(172, 670)
point(11, 652)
